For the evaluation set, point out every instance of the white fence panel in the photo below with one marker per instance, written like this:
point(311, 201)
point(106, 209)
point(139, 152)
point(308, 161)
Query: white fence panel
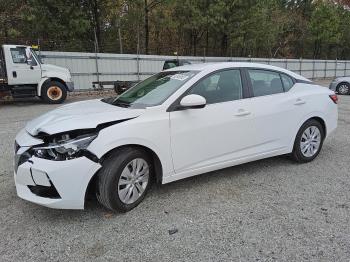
point(87, 68)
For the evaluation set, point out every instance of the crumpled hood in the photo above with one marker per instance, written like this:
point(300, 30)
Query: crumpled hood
point(79, 115)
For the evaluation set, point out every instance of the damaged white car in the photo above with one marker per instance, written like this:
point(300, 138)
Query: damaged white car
point(179, 123)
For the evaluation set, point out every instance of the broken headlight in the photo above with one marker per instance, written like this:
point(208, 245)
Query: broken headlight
point(64, 147)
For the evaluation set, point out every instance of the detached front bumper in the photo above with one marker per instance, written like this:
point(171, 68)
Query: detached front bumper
point(55, 184)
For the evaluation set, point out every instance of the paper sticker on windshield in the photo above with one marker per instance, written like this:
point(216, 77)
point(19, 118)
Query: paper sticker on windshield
point(180, 77)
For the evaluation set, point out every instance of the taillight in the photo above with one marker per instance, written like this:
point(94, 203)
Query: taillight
point(334, 98)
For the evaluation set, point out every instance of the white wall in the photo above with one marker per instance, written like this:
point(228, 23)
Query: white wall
point(83, 66)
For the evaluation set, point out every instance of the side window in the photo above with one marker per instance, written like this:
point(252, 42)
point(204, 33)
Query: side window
point(18, 55)
point(287, 82)
point(220, 87)
point(265, 82)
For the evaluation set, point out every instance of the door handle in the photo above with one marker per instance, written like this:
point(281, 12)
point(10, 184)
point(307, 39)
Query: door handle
point(299, 101)
point(242, 112)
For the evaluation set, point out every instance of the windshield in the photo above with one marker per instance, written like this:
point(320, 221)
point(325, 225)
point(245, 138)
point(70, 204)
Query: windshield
point(153, 91)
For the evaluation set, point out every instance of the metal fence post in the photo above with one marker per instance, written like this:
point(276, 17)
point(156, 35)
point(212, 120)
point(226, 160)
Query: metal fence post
point(96, 61)
point(325, 69)
point(336, 66)
point(300, 66)
point(138, 67)
point(204, 55)
point(345, 68)
point(313, 69)
point(138, 53)
point(97, 71)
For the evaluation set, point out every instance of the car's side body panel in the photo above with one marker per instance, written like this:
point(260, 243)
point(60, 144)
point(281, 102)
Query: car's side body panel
point(259, 127)
point(151, 130)
point(212, 135)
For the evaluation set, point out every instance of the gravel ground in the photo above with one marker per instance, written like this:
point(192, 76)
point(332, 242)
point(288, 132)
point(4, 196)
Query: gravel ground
point(268, 210)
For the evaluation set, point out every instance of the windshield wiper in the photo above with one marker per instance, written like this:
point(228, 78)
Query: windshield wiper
point(115, 102)
point(121, 103)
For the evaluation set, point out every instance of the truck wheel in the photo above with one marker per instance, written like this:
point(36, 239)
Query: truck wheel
point(53, 92)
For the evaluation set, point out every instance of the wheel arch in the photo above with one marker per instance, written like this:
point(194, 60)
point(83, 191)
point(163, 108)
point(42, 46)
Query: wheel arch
point(156, 161)
point(49, 79)
point(158, 168)
point(340, 83)
point(322, 122)
point(316, 117)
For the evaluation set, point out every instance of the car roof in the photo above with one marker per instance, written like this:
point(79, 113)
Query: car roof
point(222, 65)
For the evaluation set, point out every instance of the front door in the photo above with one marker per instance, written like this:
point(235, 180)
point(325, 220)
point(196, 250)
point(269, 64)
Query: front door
point(220, 132)
point(22, 68)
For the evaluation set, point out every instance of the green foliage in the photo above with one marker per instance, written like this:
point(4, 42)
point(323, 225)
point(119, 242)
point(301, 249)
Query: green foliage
point(257, 28)
point(325, 24)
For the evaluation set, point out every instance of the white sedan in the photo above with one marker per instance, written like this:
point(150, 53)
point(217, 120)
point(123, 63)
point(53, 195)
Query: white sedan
point(176, 124)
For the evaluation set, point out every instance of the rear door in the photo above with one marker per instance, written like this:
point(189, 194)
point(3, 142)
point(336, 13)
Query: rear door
point(22, 68)
point(276, 111)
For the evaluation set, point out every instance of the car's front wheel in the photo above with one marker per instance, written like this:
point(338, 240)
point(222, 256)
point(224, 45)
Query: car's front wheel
point(343, 89)
point(308, 142)
point(124, 179)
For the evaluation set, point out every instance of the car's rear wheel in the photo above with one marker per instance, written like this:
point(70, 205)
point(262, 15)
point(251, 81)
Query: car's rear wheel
point(308, 142)
point(343, 88)
point(53, 92)
point(124, 179)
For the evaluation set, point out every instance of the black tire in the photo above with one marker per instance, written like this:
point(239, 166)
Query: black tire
point(341, 89)
point(297, 154)
point(110, 173)
point(53, 92)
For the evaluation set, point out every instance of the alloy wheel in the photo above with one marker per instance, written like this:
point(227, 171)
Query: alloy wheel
point(343, 89)
point(133, 181)
point(310, 141)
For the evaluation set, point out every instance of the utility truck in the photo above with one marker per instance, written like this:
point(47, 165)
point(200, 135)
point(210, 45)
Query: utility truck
point(23, 74)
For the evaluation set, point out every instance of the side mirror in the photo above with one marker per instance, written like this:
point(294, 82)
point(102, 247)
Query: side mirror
point(31, 62)
point(193, 101)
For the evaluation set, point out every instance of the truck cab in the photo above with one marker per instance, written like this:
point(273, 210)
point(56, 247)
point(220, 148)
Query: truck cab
point(23, 74)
